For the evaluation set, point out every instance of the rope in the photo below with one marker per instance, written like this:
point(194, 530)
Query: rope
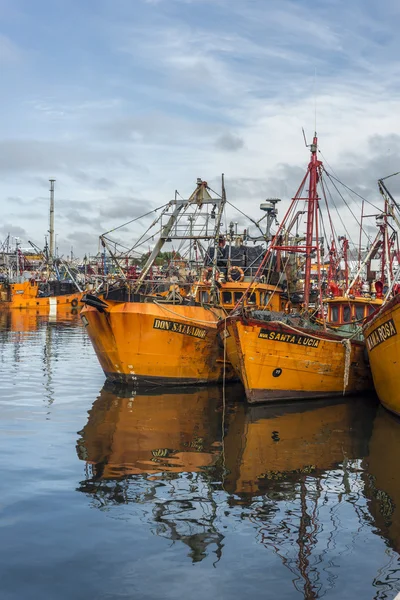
point(312, 336)
point(223, 405)
point(347, 345)
point(187, 318)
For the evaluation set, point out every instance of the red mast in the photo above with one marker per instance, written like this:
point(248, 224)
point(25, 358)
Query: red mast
point(312, 215)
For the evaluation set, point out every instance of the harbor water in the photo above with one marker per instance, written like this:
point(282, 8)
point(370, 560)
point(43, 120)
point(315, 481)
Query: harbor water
point(184, 493)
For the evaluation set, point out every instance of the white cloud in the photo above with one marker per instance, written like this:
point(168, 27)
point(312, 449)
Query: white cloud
point(10, 52)
point(185, 89)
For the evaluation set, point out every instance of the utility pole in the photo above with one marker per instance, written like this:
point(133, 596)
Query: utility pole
point(51, 229)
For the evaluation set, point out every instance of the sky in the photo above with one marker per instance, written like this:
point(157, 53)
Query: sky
point(124, 101)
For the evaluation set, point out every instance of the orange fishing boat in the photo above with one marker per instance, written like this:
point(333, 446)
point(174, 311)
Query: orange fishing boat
point(25, 286)
point(382, 328)
point(291, 356)
point(33, 294)
point(144, 335)
point(383, 345)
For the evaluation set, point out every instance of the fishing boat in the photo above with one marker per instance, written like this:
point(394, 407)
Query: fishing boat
point(34, 294)
point(299, 355)
point(164, 331)
point(23, 286)
point(381, 329)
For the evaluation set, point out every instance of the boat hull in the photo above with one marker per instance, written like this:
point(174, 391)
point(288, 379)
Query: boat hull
point(382, 334)
point(152, 344)
point(276, 362)
point(26, 296)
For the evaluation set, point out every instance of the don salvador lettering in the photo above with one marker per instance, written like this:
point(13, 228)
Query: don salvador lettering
point(180, 328)
point(290, 338)
point(381, 333)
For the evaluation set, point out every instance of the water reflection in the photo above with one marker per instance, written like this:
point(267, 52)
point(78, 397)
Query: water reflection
point(300, 501)
point(382, 490)
point(294, 474)
point(157, 438)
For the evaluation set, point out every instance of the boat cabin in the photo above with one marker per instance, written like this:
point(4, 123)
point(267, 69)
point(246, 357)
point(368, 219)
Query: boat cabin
point(263, 296)
point(343, 310)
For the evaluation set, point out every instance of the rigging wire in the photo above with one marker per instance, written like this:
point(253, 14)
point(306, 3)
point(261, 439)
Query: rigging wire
point(349, 189)
point(353, 215)
point(135, 219)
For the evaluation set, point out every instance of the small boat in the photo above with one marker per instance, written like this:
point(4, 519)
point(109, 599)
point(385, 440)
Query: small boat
point(38, 289)
point(33, 294)
point(299, 355)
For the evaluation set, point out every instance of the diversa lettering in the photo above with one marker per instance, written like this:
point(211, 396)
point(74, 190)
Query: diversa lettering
point(381, 334)
point(289, 338)
point(182, 328)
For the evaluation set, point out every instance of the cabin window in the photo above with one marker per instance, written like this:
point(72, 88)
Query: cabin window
point(204, 297)
point(346, 314)
point(359, 313)
point(238, 296)
point(334, 314)
point(262, 298)
point(227, 297)
point(252, 299)
point(371, 309)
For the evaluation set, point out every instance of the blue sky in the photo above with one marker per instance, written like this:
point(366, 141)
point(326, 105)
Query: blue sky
point(125, 101)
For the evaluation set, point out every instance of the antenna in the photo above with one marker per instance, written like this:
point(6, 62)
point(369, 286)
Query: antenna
point(315, 99)
point(51, 229)
point(304, 136)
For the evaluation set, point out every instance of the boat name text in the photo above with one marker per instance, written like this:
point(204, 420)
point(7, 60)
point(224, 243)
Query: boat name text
point(289, 338)
point(381, 333)
point(175, 327)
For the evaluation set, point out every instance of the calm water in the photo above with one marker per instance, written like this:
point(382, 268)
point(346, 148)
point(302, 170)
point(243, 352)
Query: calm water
point(108, 494)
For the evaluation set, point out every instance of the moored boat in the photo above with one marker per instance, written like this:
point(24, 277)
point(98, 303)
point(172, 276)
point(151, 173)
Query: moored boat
point(383, 345)
point(164, 332)
point(32, 294)
point(382, 328)
point(301, 355)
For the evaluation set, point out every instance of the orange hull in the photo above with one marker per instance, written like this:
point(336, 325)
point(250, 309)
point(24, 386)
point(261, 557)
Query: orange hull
point(26, 295)
point(276, 362)
point(382, 334)
point(138, 342)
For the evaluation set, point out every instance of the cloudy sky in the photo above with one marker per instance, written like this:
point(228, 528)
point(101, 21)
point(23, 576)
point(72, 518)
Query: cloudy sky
point(124, 101)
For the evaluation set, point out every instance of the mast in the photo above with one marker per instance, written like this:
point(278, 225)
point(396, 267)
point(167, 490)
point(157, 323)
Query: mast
point(179, 205)
point(213, 290)
point(311, 213)
point(51, 228)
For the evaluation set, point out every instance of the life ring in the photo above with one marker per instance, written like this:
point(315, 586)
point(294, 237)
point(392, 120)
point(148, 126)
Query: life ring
point(235, 270)
point(207, 274)
point(288, 307)
point(74, 302)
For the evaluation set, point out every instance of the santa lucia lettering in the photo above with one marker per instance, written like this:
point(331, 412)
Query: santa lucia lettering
point(289, 338)
point(182, 328)
point(381, 334)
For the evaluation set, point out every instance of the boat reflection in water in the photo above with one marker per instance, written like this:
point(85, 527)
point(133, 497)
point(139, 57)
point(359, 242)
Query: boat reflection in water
point(26, 321)
point(300, 479)
point(156, 438)
point(382, 482)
